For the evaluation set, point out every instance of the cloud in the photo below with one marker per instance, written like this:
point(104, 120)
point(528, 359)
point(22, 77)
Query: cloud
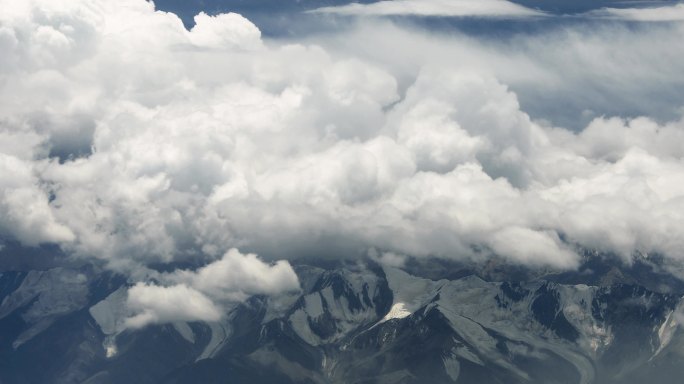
point(130, 142)
point(236, 276)
point(24, 204)
point(389, 259)
point(154, 304)
point(228, 30)
point(567, 75)
point(598, 139)
point(526, 244)
point(207, 293)
point(447, 8)
point(667, 13)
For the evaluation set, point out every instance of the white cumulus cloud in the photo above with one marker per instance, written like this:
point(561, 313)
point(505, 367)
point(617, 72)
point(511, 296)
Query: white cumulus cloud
point(207, 293)
point(131, 141)
point(152, 304)
point(236, 276)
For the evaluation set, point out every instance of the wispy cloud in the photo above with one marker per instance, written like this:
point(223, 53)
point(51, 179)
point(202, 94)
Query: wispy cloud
point(664, 13)
point(448, 8)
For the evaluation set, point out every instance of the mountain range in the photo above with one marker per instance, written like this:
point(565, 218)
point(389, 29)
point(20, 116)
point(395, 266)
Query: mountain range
point(428, 321)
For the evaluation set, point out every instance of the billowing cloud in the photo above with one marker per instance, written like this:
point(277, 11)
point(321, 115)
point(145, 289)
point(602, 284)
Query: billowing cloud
point(449, 8)
point(207, 293)
point(665, 13)
point(235, 277)
point(567, 75)
point(24, 203)
point(157, 304)
point(131, 141)
point(227, 31)
point(526, 244)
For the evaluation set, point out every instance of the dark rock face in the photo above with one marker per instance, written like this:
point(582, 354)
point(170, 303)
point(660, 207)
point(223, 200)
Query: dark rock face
point(355, 324)
point(547, 310)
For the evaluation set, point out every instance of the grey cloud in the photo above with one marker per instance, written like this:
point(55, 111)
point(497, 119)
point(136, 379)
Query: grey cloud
point(26, 214)
point(567, 75)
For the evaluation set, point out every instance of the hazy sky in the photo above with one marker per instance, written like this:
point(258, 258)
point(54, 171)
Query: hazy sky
point(459, 129)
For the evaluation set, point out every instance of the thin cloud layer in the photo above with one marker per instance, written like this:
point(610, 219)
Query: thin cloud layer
point(446, 8)
point(667, 13)
point(131, 141)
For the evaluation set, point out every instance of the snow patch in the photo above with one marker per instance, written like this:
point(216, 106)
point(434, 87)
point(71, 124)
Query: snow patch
point(300, 324)
point(50, 294)
point(220, 332)
point(398, 311)
point(358, 287)
point(58, 291)
point(110, 348)
point(409, 292)
point(185, 331)
point(668, 329)
point(313, 305)
point(452, 367)
point(278, 305)
point(111, 313)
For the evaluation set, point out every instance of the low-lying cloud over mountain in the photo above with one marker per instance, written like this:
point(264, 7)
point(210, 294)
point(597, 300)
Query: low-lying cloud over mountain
point(130, 141)
point(201, 295)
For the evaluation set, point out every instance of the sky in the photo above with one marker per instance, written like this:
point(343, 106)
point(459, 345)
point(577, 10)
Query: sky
point(238, 136)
